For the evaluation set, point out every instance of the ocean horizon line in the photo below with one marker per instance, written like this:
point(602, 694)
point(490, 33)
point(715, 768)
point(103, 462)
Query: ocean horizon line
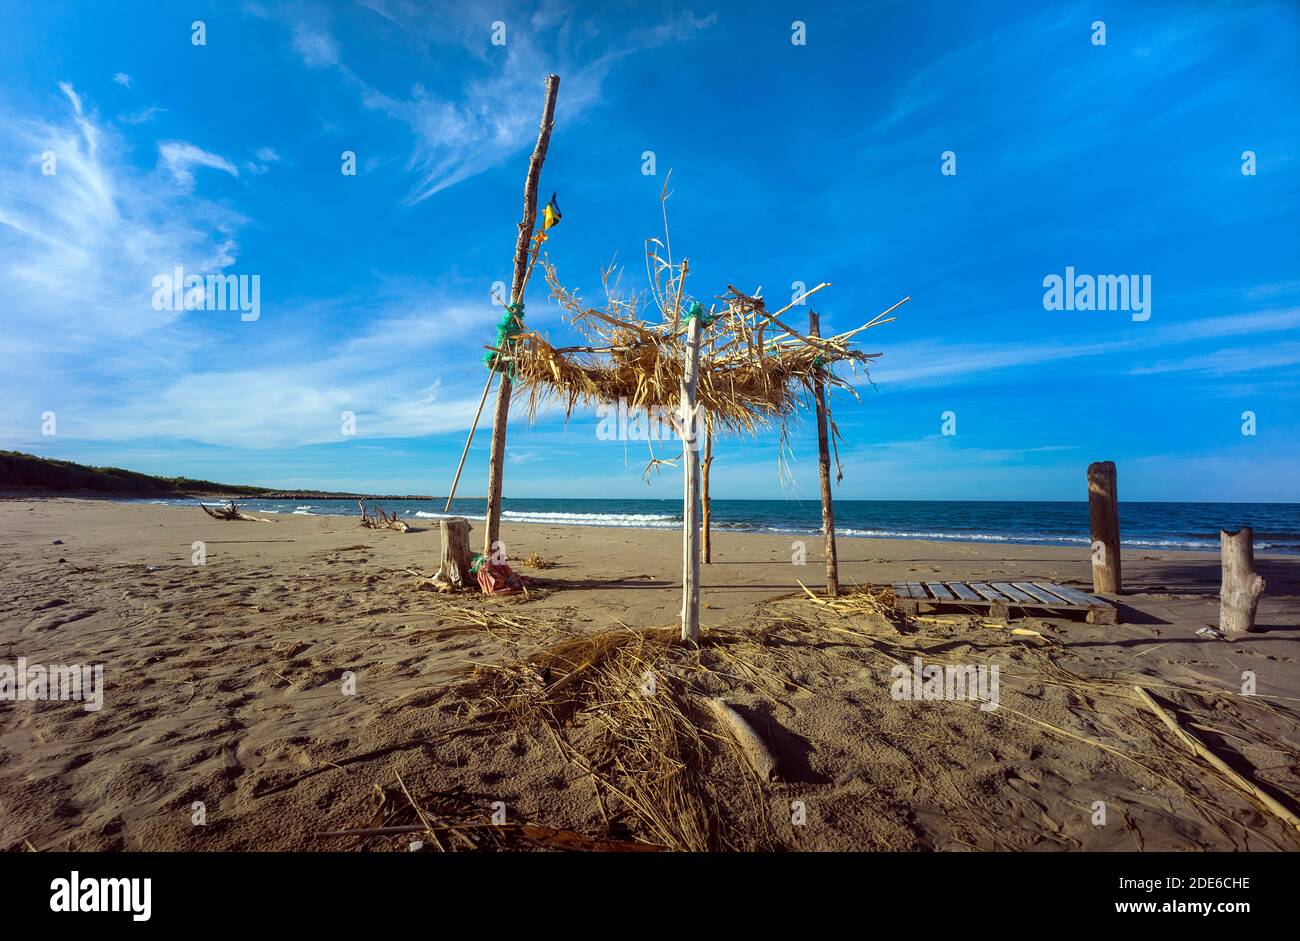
point(1143, 525)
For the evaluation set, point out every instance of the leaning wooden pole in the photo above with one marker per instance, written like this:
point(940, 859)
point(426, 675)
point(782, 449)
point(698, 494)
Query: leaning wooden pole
point(706, 505)
point(691, 482)
point(1103, 513)
point(496, 462)
point(1241, 589)
point(451, 495)
point(824, 469)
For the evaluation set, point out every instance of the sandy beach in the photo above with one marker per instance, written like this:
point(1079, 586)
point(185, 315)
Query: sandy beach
point(224, 686)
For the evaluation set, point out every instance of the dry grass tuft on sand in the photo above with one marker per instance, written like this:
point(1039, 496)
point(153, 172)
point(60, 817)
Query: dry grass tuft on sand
point(535, 560)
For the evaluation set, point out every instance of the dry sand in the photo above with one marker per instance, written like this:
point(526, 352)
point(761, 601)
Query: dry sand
point(223, 685)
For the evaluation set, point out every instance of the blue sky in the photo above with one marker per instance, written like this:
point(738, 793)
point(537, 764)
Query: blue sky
point(789, 163)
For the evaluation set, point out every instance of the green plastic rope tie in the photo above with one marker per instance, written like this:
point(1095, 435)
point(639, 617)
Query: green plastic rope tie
point(696, 312)
point(510, 325)
point(476, 563)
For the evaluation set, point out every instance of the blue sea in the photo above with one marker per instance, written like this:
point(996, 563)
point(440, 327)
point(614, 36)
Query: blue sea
point(1142, 525)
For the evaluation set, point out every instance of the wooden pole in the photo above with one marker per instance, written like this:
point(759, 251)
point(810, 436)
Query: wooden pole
point(691, 482)
point(496, 462)
point(468, 441)
point(1103, 512)
point(1241, 589)
point(824, 468)
point(706, 504)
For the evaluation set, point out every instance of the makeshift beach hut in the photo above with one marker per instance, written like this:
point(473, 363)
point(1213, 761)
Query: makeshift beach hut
point(746, 380)
point(736, 368)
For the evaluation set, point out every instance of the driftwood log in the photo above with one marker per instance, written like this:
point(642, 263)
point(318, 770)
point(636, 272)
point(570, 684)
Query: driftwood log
point(382, 520)
point(453, 572)
point(1241, 589)
point(756, 752)
point(230, 511)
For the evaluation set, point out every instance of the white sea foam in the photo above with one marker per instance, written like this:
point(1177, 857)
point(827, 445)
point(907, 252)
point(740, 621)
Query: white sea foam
point(955, 537)
point(670, 521)
point(624, 520)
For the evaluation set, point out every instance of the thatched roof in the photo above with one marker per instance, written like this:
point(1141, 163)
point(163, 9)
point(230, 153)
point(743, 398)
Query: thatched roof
point(755, 372)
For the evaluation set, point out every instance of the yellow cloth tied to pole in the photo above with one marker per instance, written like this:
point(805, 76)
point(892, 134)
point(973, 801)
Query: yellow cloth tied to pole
point(550, 216)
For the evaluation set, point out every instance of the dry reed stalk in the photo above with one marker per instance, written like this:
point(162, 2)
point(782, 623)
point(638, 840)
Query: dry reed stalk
point(1198, 748)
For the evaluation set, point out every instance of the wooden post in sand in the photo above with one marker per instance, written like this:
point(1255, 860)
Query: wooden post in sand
point(1103, 513)
point(496, 464)
point(691, 481)
point(824, 469)
point(454, 569)
point(1241, 589)
point(706, 505)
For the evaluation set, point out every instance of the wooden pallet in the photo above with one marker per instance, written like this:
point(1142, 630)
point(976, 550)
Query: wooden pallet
point(999, 599)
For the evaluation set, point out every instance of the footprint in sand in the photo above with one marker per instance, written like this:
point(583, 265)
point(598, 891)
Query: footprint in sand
point(52, 603)
point(52, 621)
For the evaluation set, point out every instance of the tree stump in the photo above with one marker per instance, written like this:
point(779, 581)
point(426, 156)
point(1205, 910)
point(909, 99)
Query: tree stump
point(1241, 589)
point(454, 570)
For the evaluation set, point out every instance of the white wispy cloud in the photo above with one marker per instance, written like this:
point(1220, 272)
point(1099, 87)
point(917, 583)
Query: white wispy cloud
point(81, 244)
point(122, 79)
point(67, 89)
point(930, 362)
point(78, 252)
point(317, 48)
point(1227, 361)
point(79, 248)
point(284, 394)
point(180, 158)
point(141, 117)
point(490, 118)
point(265, 157)
point(284, 405)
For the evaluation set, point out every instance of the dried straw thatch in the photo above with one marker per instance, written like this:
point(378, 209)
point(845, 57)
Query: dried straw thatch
point(748, 379)
point(755, 372)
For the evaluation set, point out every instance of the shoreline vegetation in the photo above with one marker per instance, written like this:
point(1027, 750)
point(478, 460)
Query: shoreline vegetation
point(21, 474)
